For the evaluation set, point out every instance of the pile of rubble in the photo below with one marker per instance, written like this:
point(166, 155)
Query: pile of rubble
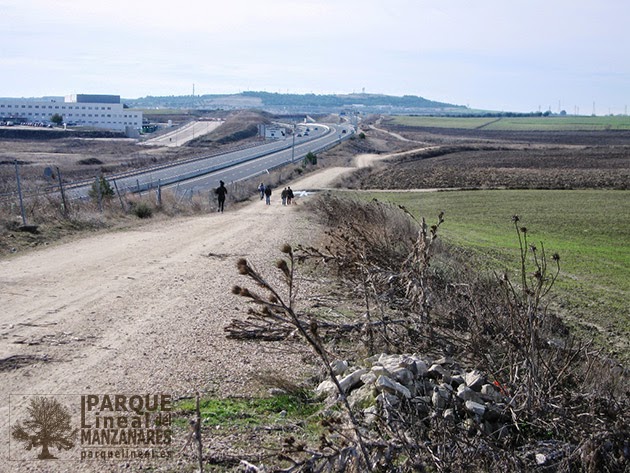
point(437, 388)
point(384, 386)
point(383, 383)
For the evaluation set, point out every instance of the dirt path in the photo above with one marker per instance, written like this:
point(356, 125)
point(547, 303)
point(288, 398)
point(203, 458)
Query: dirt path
point(143, 311)
point(398, 136)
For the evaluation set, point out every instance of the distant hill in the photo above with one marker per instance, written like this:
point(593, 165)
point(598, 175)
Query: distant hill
point(301, 103)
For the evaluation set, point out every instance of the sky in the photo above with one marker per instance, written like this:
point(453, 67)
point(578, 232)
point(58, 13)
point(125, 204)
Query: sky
point(504, 55)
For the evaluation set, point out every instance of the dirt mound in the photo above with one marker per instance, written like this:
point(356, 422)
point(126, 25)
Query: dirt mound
point(240, 125)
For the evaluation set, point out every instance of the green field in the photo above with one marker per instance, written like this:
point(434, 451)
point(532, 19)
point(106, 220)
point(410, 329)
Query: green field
point(554, 123)
point(590, 229)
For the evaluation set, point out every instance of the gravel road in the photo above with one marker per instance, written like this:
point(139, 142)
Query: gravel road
point(140, 311)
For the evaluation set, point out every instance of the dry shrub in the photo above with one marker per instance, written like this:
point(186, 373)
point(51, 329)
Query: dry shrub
point(565, 399)
point(375, 231)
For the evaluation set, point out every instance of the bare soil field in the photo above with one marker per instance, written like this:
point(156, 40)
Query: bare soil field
point(483, 159)
point(448, 135)
point(488, 167)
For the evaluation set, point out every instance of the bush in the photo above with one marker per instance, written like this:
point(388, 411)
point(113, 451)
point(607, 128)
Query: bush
point(310, 158)
point(106, 190)
point(142, 210)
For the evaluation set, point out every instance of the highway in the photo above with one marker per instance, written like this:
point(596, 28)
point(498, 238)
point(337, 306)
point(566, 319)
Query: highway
point(203, 173)
point(181, 135)
point(326, 136)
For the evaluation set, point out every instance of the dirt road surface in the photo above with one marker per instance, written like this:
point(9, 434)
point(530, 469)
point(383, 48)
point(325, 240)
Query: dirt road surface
point(140, 311)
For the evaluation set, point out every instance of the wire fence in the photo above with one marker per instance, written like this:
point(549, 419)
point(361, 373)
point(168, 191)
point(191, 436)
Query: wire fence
point(23, 196)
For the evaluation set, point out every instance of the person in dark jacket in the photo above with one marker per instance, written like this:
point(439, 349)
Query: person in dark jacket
point(284, 196)
point(221, 192)
point(268, 195)
point(289, 195)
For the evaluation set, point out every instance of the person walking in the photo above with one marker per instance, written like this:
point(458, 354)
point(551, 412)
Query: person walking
point(289, 195)
point(268, 195)
point(261, 189)
point(284, 196)
point(221, 192)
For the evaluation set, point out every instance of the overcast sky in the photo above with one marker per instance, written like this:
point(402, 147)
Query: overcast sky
point(517, 55)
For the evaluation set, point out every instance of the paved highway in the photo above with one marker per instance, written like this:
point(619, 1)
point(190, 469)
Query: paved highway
point(204, 173)
point(182, 135)
point(326, 136)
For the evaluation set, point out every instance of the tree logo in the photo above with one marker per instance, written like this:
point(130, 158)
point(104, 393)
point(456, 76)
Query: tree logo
point(48, 426)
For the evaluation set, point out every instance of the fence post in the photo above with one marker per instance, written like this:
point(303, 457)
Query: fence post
point(100, 192)
point(19, 186)
point(122, 205)
point(63, 195)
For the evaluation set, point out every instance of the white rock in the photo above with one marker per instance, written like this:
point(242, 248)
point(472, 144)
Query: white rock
point(403, 376)
point(449, 414)
point(352, 380)
point(438, 371)
point(475, 408)
point(390, 362)
point(489, 392)
point(373, 359)
point(541, 458)
point(440, 397)
point(414, 364)
point(467, 394)
point(474, 380)
point(383, 383)
point(387, 400)
point(369, 378)
point(422, 368)
point(339, 367)
point(443, 361)
point(370, 414)
point(326, 387)
point(380, 370)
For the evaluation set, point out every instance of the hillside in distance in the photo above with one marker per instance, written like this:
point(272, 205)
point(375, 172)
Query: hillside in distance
point(302, 103)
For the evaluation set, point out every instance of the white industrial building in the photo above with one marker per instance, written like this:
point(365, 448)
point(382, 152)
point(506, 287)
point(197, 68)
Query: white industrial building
point(98, 111)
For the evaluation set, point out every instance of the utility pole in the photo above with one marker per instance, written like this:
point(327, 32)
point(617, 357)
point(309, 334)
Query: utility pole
point(293, 147)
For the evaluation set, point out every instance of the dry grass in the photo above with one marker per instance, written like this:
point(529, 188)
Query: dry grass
point(426, 300)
